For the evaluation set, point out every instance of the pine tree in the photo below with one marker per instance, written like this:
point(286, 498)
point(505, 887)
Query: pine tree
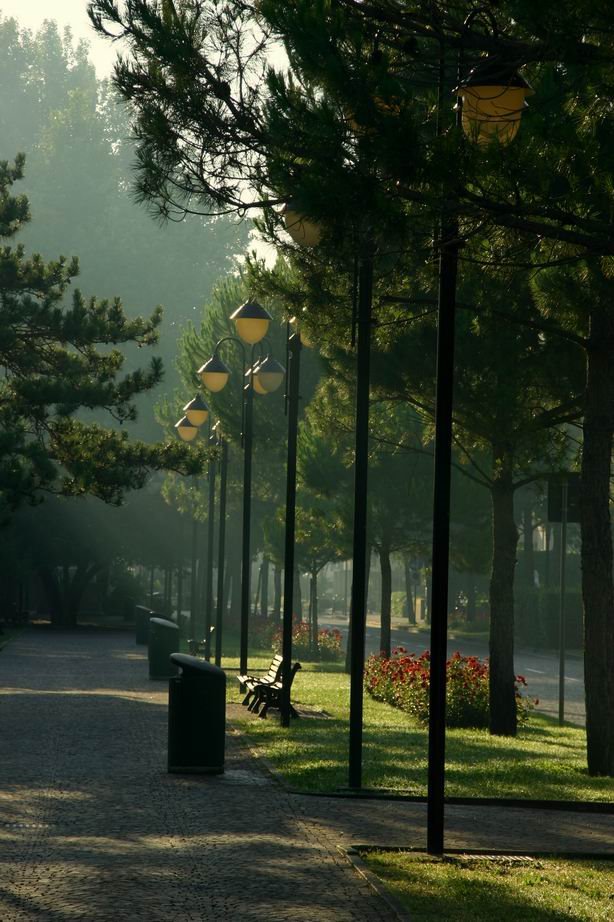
point(62, 368)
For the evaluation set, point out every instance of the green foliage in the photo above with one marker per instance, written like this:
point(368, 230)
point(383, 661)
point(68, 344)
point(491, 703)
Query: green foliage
point(59, 361)
point(78, 140)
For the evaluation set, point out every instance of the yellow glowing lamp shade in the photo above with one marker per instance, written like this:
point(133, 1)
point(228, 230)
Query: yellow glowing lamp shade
point(270, 374)
point(251, 322)
point(303, 231)
point(493, 99)
point(185, 430)
point(257, 383)
point(214, 374)
point(196, 411)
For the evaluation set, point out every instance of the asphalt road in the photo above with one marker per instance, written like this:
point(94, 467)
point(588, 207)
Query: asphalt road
point(541, 670)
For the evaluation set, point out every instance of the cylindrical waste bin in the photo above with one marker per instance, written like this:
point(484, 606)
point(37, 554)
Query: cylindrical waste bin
point(142, 614)
point(163, 640)
point(196, 717)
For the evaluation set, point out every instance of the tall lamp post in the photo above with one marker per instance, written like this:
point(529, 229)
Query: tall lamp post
point(491, 101)
point(307, 233)
point(292, 397)
point(196, 415)
point(251, 322)
point(221, 548)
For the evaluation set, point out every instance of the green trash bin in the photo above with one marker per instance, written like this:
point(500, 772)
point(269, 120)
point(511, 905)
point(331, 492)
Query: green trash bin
point(142, 614)
point(163, 640)
point(196, 717)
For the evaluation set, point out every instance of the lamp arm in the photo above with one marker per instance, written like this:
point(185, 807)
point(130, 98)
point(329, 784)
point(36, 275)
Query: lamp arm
point(238, 342)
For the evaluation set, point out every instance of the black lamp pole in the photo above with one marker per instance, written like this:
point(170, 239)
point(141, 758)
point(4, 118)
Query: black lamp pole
point(221, 551)
point(210, 542)
point(448, 270)
point(193, 578)
point(247, 522)
point(293, 384)
point(358, 608)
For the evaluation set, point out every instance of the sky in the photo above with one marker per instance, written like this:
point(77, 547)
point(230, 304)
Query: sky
point(32, 13)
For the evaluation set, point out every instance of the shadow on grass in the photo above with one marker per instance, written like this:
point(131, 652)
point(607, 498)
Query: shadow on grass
point(430, 890)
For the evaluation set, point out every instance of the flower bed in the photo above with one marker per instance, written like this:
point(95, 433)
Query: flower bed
point(328, 648)
point(403, 681)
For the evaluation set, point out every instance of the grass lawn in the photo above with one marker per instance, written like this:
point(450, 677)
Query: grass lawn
point(543, 762)
point(478, 890)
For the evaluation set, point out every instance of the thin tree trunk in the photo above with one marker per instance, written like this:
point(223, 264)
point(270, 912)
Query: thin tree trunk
point(597, 584)
point(277, 594)
point(298, 598)
point(313, 609)
point(471, 606)
point(264, 590)
point(505, 539)
point(386, 600)
point(547, 557)
point(528, 556)
point(257, 594)
point(348, 648)
point(51, 587)
point(410, 608)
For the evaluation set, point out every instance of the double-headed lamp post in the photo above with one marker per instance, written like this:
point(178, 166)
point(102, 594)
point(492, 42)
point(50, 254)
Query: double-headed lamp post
point(251, 323)
point(490, 104)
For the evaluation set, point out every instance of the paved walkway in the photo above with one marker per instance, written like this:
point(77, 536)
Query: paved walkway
point(93, 828)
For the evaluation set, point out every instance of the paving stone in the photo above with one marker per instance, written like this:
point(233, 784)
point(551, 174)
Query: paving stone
point(93, 828)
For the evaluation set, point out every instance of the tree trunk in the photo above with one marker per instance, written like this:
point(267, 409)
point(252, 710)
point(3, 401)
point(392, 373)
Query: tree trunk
point(471, 606)
point(386, 600)
point(313, 609)
point(505, 540)
point(51, 588)
point(427, 596)
point(528, 556)
point(264, 591)
point(257, 594)
point(297, 606)
point(547, 533)
point(410, 608)
point(348, 647)
point(277, 594)
point(597, 584)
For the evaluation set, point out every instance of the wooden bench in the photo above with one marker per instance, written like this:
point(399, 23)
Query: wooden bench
point(251, 682)
point(268, 695)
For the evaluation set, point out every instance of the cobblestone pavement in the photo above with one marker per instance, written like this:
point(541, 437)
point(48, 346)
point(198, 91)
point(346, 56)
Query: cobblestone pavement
point(93, 828)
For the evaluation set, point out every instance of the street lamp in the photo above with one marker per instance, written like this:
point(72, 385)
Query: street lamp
point(307, 233)
point(251, 322)
point(294, 348)
point(491, 101)
point(196, 411)
point(221, 548)
point(186, 430)
point(303, 231)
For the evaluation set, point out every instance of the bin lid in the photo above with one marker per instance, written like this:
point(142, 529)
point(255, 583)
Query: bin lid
point(162, 622)
point(192, 665)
